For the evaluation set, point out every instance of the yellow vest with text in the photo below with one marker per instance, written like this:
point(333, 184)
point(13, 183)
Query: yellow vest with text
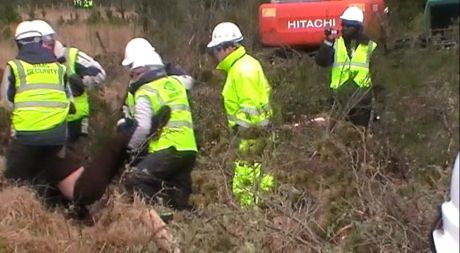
point(356, 68)
point(81, 102)
point(178, 132)
point(246, 91)
point(40, 101)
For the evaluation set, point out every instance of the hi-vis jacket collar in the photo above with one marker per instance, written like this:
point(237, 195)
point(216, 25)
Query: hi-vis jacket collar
point(149, 76)
point(233, 57)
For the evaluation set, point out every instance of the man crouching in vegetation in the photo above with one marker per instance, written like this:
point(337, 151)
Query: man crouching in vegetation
point(35, 91)
point(247, 103)
point(168, 139)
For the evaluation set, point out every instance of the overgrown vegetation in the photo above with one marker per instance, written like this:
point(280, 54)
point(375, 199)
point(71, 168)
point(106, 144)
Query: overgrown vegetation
point(338, 191)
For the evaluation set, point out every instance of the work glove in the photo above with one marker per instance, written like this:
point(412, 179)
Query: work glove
point(76, 84)
point(126, 127)
point(126, 112)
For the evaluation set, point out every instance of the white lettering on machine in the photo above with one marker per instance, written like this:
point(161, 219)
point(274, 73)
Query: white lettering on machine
point(310, 23)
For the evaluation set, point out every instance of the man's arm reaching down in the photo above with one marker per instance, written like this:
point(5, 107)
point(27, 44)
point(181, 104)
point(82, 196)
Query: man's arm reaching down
point(143, 117)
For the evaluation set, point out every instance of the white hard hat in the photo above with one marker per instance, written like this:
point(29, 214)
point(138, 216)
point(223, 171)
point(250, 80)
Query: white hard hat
point(446, 239)
point(225, 32)
point(43, 27)
point(135, 47)
point(148, 58)
point(455, 183)
point(353, 13)
point(25, 30)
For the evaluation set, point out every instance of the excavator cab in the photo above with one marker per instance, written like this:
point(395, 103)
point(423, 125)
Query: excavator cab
point(440, 15)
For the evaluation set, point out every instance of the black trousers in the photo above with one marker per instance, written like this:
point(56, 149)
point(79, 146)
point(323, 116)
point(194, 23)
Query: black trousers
point(354, 104)
point(166, 173)
point(361, 113)
point(39, 166)
point(30, 163)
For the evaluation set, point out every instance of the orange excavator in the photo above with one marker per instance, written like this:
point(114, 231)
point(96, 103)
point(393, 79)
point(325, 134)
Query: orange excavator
point(292, 23)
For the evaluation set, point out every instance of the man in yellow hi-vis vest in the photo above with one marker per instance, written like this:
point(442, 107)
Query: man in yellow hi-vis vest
point(349, 56)
point(84, 73)
point(34, 90)
point(246, 96)
point(163, 126)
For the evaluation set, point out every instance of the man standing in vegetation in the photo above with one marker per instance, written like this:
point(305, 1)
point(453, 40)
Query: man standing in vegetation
point(349, 56)
point(83, 73)
point(163, 127)
point(246, 96)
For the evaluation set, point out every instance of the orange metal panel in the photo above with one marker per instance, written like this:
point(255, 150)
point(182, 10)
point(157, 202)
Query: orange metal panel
point(303, 23)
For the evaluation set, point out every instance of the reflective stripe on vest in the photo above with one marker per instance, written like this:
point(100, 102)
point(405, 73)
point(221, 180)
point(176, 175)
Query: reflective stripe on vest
point(178, 132)
point(40, 102)
point(160, 100)
point(248, 124)
point(81, 102)
point(356, 68)
point(254, 111)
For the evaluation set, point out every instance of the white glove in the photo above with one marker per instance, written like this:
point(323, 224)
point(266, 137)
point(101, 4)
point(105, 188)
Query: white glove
point(126, 112)
point(91, 82)
point(186, 80)
point(121, 122)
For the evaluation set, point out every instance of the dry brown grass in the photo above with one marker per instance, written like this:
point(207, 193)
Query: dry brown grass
point(27, 225)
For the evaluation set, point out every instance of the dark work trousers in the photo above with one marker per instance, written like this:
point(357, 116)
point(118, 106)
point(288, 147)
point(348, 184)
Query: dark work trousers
point(27, 163)
point(78, 140)
point(79, 147)
point(39, 166)
point(77, 128)
point(165, 173)
point(354, 105)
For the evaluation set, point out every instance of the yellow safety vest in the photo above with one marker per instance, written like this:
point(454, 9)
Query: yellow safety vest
point(178, 132)
point(356, 68)
point(40, 101)
point(81, 102)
